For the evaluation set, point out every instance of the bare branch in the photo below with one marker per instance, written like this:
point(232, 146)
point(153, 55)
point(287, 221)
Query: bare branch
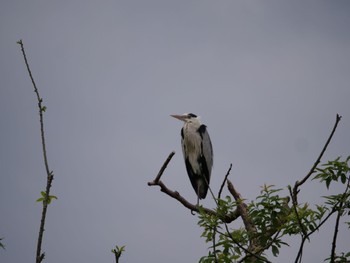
point(174, 194)
point(162, 169)
point(225, 179)
point(182, 200)
point(40, 256)
point(313, 168)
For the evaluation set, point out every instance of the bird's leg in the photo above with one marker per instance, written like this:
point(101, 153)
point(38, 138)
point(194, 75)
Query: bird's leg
point(198, 195)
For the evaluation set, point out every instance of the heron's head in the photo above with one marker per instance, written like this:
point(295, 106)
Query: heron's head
point(187, 118)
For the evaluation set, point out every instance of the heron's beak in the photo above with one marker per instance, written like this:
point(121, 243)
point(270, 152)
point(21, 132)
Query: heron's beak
point(179, 117)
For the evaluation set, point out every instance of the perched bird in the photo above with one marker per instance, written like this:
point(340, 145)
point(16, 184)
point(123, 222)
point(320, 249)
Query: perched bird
point(197, 151)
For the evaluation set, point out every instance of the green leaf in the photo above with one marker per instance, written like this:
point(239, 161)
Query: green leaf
point(275, 250)
point(343, 178)
point(43, 198)
point(237, 250)
point(328, 182)
point(51, 197)
point(311, 227)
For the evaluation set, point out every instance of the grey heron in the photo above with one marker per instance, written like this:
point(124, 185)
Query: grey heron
point(197, 151)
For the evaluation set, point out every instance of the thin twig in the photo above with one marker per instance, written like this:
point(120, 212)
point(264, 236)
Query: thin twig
point(165, 164)
point(39, 255)
point(214, 244)
point(225, 179)
point(217, 204)
point(295, 205)
point(334, 242)
point(339, 214)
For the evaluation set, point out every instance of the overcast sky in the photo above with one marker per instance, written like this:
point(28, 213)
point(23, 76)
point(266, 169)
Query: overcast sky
point(266, 77)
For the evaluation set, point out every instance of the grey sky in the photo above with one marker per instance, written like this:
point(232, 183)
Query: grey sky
point(267, 77)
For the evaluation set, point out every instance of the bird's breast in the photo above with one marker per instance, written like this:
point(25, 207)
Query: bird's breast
point(192, 144)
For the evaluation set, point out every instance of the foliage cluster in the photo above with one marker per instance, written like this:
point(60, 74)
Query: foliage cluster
point(274, 218)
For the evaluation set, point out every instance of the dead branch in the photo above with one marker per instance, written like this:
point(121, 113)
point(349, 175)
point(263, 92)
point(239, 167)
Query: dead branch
point(176, 195)
point(165, 164)
point(223, 182)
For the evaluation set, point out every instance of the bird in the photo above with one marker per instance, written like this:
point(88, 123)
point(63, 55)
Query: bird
point(197, 152)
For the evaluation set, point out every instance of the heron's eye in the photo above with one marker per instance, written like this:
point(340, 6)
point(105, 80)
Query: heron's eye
point(191, 115)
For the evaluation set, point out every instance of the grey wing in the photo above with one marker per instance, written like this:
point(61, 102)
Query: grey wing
point(207, 150)
point(182, 144)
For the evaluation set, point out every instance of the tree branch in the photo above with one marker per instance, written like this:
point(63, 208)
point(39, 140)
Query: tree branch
point(334, 242)
point(247, 221)
point(313, 168)
point(304, 238)
point(294, 193)
point(161, 171)
point(295, 205)
point(339, 214)
point(40, 256)
point(174, 194)
point(223, 182)
point(242, 209)
point(249, 254)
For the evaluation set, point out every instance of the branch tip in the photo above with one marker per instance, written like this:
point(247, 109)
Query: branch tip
point(224, 181)
point(312, 170)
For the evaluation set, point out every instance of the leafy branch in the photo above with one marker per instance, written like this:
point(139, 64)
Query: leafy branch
point(49, 174)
